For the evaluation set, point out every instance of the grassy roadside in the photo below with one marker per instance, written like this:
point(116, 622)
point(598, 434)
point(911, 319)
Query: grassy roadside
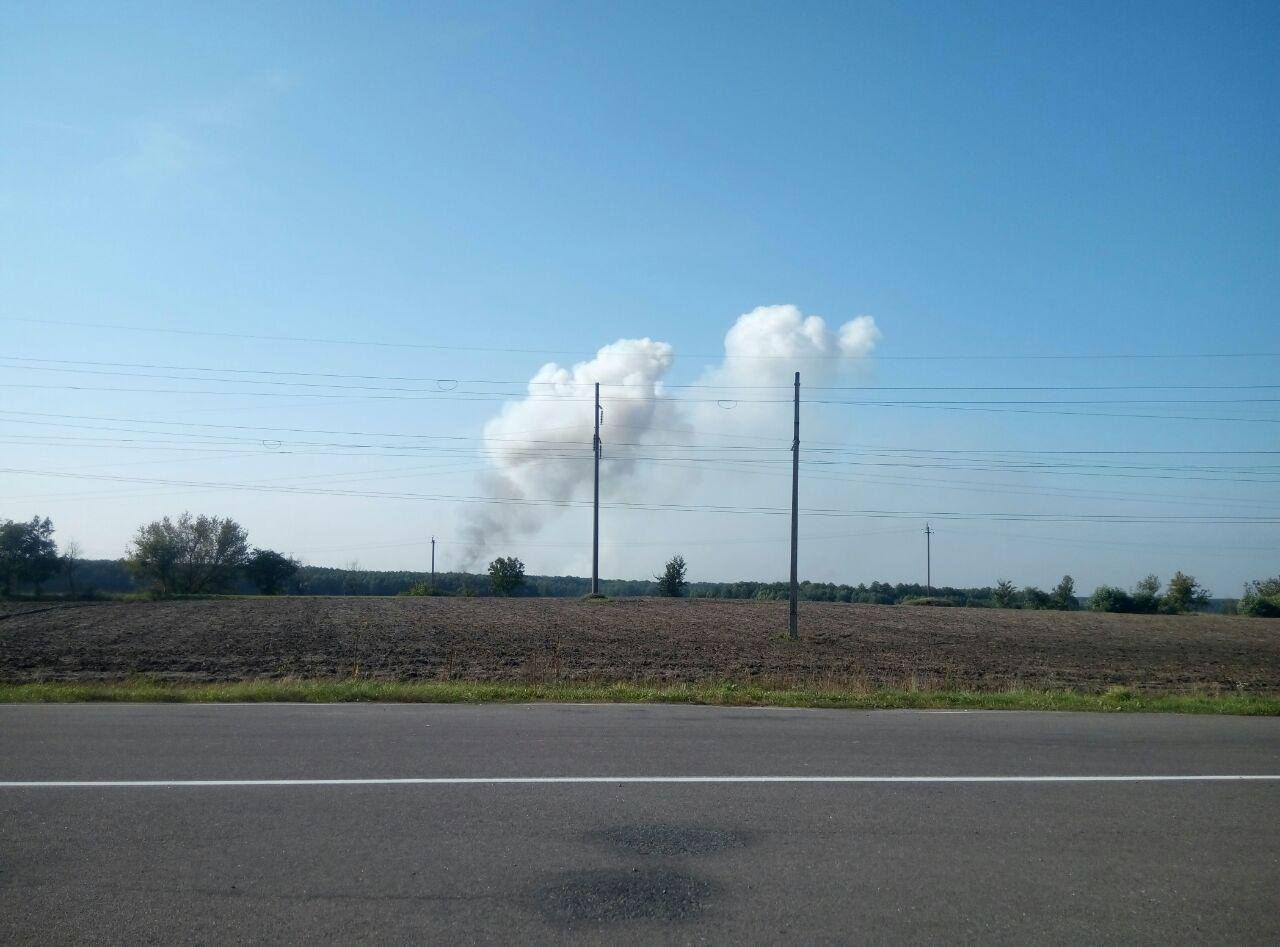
point(722, 694)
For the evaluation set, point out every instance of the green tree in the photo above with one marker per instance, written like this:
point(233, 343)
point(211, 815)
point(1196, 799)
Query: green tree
point(1185, 595)
point(268, 570)
point(672, 581)
point(506, 575)
point(1146, 595)
point(189, 555)
point(1261, 598)
point(28, 554)
point(1036, 598)
point(1108, 598)
point(1064, 594)
point(1005, 594)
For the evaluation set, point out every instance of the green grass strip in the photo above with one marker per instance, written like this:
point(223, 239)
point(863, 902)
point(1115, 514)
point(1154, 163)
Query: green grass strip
point(718, 694)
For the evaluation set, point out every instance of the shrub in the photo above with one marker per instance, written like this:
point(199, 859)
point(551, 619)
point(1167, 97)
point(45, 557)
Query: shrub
point(268, 570)
point(1035, 598)
point(1261, 598)
point(420, 589)
point(1109, 598)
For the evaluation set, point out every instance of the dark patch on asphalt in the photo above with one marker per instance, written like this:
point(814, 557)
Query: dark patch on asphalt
point(612, 895)
point(671, 841)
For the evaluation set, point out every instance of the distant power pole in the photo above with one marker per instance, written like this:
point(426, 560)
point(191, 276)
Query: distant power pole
point(433, 561)
point(793, 626)
point(928, 560)
point(595, 506)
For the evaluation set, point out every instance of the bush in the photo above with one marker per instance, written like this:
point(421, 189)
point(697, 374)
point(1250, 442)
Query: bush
point(1109, 598)
point(1035, 598)
point(425, 589)
point(1259, 607)
point(932, 600)
point(268, 570)
point(1261, 599)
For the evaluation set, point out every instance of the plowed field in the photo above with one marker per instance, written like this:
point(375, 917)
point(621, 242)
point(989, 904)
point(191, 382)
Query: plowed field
point(637, 639)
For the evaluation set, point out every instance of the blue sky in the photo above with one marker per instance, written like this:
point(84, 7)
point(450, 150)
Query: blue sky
point(980, 178)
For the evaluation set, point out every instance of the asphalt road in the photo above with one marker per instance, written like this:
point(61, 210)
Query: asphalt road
point(1012, 861)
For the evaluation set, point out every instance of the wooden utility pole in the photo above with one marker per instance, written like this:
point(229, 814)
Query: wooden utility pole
point(433, 562)
point(928, 560)
point(793, 621)
point(595, 505)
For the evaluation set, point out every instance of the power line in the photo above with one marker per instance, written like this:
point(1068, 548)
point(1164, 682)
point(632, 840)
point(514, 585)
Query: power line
point(984, 356)
point(1099, 518)
point(739, 467)
point(721, 402)
point(523, 448)
point(566, 453)
point(829, 445)
point(445, 392)
point(626, 544)
point(445, 384)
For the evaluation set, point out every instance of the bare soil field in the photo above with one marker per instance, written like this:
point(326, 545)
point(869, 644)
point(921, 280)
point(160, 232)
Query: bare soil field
point(653, 640)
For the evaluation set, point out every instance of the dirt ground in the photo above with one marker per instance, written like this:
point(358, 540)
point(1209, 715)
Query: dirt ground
point(633, 639)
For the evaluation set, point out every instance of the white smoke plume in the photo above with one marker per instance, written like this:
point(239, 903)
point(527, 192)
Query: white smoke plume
point(540, 447)
point(769, 343)
point(763, 351)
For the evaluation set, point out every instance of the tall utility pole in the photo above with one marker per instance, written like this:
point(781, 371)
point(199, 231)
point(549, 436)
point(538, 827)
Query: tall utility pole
point(793, 627)
point(433, 562)
point(595, 506)
point(928, 560)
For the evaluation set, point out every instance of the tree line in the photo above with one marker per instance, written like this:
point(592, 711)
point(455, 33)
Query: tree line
point(200, 555)
point(188, 555)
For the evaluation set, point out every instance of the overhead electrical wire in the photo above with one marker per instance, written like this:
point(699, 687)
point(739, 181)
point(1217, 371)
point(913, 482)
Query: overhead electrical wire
point(979, 356)
point(418, 435)
point(399, 392)
point(443, 383)
point(989, 407)
point(635, 451)
point(1170, 518)
point(622, 543)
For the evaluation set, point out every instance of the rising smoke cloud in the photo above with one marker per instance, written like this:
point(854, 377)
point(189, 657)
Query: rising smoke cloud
point(540, 447)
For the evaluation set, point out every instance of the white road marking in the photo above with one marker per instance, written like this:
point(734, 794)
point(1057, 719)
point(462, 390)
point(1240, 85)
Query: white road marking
point(570, 780)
